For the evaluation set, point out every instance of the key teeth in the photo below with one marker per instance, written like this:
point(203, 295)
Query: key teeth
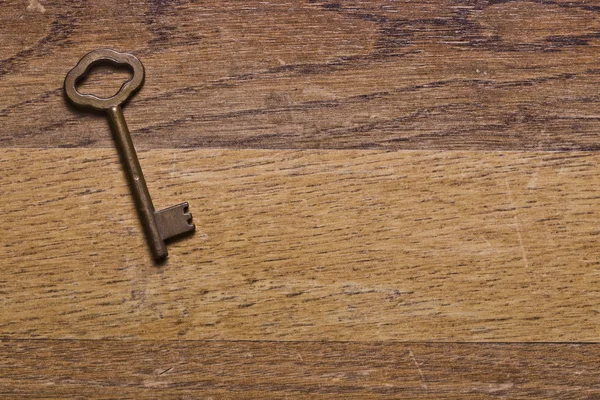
point(188, 217)
point(187, 214)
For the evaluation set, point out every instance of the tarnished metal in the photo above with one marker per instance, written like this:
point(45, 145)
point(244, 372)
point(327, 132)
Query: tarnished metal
point(159, 226)
point(104, 56)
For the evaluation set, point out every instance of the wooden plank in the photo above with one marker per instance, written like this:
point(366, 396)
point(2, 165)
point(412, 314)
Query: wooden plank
point(297, 245)
point(312, 74)
point(307, 370)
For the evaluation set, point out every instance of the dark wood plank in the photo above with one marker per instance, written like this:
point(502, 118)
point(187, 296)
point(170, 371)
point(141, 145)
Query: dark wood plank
point(35, 369)
point(439, 74)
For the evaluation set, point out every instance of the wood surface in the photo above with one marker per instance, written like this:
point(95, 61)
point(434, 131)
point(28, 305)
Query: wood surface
point(305, 245)
point(377, 185)
point(438, 74)
point(99, 369)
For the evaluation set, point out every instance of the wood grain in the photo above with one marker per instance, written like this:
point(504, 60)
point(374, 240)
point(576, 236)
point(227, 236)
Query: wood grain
point(311, 370)
point(439, 74)
point(305, 245)
point(329, 263)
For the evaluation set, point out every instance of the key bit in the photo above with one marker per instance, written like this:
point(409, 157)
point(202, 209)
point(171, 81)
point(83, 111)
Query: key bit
point(159, 226)
point(174, 221)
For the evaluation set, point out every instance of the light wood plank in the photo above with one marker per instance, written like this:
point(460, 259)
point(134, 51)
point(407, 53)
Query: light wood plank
point(296, 245)
point(34, 369)
point(303, 74)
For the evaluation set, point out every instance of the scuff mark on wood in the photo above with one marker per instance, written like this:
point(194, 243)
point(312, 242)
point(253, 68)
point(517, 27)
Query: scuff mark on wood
point(34, 5)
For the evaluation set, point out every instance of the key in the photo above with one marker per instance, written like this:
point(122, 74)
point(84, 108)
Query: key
point(159, 226)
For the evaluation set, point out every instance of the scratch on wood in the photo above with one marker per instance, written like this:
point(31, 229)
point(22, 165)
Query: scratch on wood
point(487, 241)
point(517, 223)
point(34, 5)
point(412, 356)
point(165, 371)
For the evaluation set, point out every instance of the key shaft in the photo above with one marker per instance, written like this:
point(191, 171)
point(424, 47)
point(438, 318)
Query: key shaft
point(135, 176)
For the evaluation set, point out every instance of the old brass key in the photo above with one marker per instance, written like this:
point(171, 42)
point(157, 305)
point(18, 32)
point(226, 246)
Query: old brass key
point(158, 225)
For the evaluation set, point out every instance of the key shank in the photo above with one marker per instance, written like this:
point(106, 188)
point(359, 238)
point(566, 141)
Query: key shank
point(136, 181)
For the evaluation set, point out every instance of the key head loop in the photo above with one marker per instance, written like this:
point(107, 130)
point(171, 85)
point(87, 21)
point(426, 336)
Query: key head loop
point(97, 57)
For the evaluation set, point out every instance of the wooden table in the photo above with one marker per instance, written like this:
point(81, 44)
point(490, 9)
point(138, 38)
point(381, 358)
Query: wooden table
point(393, 199)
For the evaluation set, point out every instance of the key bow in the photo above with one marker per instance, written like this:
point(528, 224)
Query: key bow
point(102, 56)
